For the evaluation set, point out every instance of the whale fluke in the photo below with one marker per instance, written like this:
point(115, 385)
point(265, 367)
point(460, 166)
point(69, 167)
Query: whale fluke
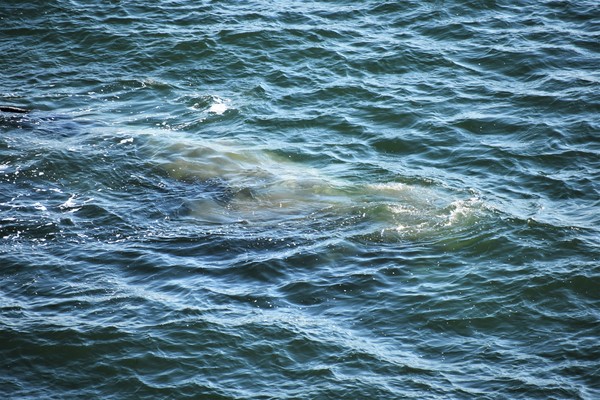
point(11, 109)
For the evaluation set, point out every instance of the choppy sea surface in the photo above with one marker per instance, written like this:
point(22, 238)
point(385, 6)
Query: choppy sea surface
point(300, 199)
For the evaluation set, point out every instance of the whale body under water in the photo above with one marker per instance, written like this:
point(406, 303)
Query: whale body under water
point(227, 181)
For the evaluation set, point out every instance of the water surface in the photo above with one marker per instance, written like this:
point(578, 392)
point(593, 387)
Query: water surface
point(316, 200)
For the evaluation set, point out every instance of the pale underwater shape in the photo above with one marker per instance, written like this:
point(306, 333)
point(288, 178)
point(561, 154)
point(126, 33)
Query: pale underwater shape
point(256, 186)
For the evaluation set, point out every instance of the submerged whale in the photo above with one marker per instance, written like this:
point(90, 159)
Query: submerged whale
point(228, 181)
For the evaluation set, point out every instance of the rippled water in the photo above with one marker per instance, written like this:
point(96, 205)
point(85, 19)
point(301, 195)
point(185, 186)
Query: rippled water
point(316, 200)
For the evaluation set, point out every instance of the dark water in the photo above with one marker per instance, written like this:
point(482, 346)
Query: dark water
point(300, 200)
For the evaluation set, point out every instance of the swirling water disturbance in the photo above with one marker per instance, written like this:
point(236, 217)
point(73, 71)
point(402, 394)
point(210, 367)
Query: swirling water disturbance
point(300, 200)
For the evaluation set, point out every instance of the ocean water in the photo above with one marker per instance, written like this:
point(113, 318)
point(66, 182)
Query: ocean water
point(300, 200)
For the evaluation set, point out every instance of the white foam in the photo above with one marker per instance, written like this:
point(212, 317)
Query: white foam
point(218, 108)
point(462, 209)
point(69, 204)
point(389, 186)
point(40, 207)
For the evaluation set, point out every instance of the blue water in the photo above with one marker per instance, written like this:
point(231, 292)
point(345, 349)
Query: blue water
point(300, 200)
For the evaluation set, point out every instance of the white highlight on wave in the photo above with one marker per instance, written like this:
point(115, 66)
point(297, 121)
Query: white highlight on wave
point(218, 108)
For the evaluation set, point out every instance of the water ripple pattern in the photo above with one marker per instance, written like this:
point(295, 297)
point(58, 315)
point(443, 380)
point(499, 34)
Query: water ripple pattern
point(300, 199)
